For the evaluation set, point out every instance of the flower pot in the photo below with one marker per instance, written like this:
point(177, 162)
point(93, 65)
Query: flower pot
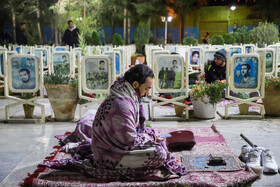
point(63, 99)
point(179, 110)
point(203, 109)
point(271, 101)
point(28, 110)
point(243, 109)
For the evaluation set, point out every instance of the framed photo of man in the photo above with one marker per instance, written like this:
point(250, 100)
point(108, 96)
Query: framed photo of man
point(76, 52)
point(18, 49)
point(111, 55)
point(45, 53)
point(195, 56)
point(96, 74)
point(23, 72)
point(61, 63)
point(245, 73)
point(169, 73)
point(235, 50)
point(269, 59)
point(249, 48)
point(2, 66)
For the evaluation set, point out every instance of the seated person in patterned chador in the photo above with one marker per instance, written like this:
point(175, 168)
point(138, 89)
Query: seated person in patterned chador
point(122, 147)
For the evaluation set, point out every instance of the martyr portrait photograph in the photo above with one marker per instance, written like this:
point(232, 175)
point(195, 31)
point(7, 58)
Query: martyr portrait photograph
point(246, 72)
point(23, 73)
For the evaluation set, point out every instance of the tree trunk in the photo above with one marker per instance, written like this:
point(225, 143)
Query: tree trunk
point(52, 30)
point(128, 30)
point(14, 25)
point(124, 26)
point(38, 23)
point(181, 28)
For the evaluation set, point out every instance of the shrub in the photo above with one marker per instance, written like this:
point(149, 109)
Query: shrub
point(190, 41)
point(229, 39)
point(95, 38)
point(242, 36)
point(142, 36)
point(217, 40)
point(265, 33)
point(117, 40)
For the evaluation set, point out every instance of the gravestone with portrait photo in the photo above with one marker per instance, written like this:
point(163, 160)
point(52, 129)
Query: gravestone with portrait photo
point(46, 57)
point(169, 79)
point(270, 60)
point(245, 74)
point(249, 48)
point(27, 50)
point(235, 50)
point(3, 58)
point(61, 63)
point(95, 76)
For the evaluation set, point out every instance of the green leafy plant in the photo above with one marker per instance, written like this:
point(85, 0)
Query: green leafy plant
point(117, 40)
point(190, 41)
point(60, 79)
point(242, 36)
point(82, 43)
point(275, 81)
point(228, 38)
point(265, 33)
point(95, 38)
point(142, 36)
point(213, 90)
point(217, 40)
point(243, 95)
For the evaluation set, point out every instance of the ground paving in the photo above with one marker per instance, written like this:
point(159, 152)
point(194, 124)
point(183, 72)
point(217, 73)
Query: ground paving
point(23, 146)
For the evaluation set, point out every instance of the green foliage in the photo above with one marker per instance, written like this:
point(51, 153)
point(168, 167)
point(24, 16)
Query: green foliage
point(228, 38)
point(117, 40)
point(60, 79)
point(265, 33)
point(243, 95)
point(95, 38)
point(190, 41)
point(32, 35)
point(142, 36)
point(213, 90)
point(273, 81)
point(82, 43)
point(217, 40)
point(242, 36)
point(28, 95)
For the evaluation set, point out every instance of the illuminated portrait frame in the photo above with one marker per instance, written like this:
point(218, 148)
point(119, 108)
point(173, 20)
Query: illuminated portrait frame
point(3, 63)
point(164, 61)
point(96, 61)
point(47, 55)
point(236, 63)
point(61, 53)
point(15, 64)
point(200, 56)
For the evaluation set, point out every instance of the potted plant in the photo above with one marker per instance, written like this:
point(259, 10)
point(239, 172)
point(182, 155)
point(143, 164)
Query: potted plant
point(28, 109)
point(243, 108)
point(271, 98)
point(217, 40)
point(62, 92)
point(190, 41)
point(179, 110)
point(205, 97)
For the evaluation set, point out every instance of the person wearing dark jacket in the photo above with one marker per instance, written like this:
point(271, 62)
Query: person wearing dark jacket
point(216, 70)
point(70, 36)
point(21, 35)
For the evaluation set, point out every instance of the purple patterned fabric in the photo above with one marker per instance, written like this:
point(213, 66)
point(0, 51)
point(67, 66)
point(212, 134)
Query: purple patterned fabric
point(118, 149)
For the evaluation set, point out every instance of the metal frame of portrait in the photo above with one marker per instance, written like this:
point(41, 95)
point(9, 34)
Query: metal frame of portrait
point(111, 55)
point(60, 49)
point(216, 47)
point(149, 55)
point(200, 56)
point(233, 50)
point(3, 60)
point(206, 54)
point(166, 61)
point(123, 63)
point(253, 82)
point(251, 46)
point(47, 52)
point(181, 50)
point(277, 56)
point(91, 64)
point(19, 62)
point(272, 58)
point(126, 56)
point(61, 54)
point(75, 53)
point(27, 50)
point(155, 54)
